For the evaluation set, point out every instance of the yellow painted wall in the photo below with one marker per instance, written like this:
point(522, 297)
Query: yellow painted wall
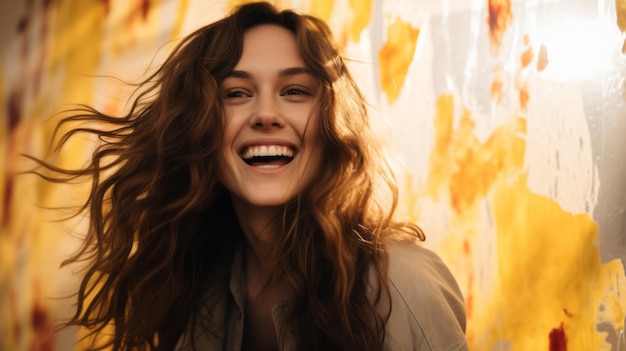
point(508, 116)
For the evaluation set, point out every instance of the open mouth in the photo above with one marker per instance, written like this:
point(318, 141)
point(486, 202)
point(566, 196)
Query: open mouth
point(267, 155)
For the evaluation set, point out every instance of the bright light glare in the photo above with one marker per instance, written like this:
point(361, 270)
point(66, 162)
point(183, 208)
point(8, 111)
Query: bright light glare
point(577, 49)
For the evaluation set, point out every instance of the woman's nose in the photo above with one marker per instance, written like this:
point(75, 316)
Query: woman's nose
point(267, 113)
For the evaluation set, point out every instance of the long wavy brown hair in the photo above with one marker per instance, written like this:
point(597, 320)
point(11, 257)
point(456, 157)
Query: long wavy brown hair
point(163, 232)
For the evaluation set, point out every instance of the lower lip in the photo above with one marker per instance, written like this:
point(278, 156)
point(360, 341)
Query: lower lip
point(268, 168)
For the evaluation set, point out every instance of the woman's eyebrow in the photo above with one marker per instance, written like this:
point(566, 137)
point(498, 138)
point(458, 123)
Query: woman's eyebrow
point(239, 74)
point(291, 71)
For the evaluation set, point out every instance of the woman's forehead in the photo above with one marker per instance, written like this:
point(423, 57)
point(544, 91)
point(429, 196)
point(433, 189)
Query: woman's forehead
point(270, 44)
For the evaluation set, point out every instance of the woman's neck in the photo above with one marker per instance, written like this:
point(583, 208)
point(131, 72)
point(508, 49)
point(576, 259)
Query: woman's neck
point(263, 291)
point(259, 229)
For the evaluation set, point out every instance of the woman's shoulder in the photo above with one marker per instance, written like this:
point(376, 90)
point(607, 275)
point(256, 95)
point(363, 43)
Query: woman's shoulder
point(410, 263)
point(428, 311)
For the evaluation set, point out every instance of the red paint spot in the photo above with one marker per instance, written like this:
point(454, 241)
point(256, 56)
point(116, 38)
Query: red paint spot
point(14, 109)
point(47, 4)
point(7, 200)
point(107, 6)
point(43, 52)
point(39, 318)
point(145, 9)
point(467, 249)
point(17, 326)
point(22, 24)
point(41, 325)
point(558, 339)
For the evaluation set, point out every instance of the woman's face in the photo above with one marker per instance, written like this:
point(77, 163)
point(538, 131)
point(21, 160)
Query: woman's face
point(271, 150)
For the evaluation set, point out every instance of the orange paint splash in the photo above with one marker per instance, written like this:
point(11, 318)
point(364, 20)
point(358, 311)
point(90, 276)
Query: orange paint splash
point(140, 8)
point(441, 162)
point(523, 96)
point(496, 91)
point(176, 32)
point(484, 162)
point(542, 58)
point(395, 57)
point(548, 267)
point(458, 155)
point(323, 9)
point(499, 18)
point(546, 282)
point(361, 17)
point(527, 55)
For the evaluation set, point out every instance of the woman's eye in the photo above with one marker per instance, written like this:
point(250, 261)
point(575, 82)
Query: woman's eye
point(296, 91)
point(233, 94)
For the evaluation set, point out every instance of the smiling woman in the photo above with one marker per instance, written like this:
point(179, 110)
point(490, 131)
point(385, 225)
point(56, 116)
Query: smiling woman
point(234, 207)
point(270, 103)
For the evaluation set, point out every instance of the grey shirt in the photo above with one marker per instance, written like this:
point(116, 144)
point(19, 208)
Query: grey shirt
point(427, 312)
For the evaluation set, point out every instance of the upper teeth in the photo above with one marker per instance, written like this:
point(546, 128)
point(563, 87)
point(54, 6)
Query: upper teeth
point(266, 150)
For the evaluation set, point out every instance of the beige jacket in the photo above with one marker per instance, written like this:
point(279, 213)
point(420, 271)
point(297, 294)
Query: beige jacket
point(428, 311)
